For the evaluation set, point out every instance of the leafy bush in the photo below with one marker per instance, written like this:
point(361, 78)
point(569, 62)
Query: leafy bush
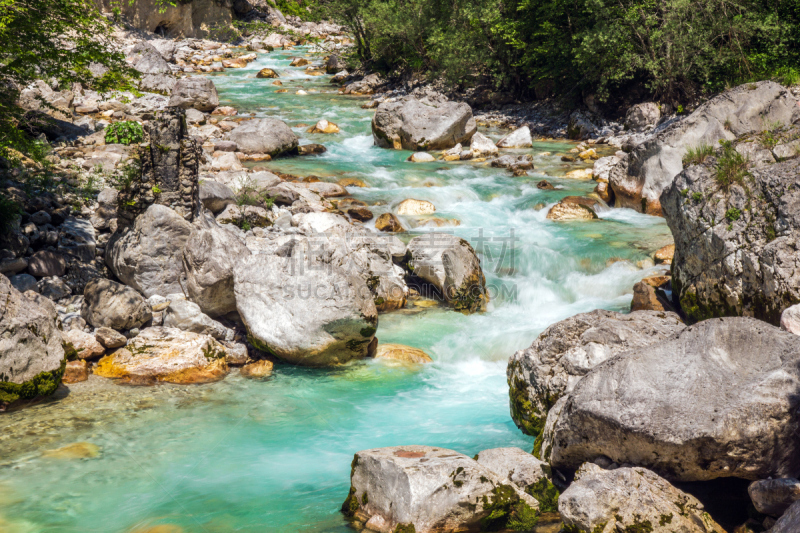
point(125, 132)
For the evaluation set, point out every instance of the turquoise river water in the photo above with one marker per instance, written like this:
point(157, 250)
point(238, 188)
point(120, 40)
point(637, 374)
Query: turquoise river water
point(274, 456)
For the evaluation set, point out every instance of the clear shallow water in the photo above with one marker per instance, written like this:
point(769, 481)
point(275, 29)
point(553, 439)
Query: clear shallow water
point(253, 456)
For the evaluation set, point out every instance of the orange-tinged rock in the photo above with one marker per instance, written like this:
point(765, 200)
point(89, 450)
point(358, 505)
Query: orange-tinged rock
point(257, 370)
point(75, 372)
point(78, 450)
point(169, 355)
point(402, 353)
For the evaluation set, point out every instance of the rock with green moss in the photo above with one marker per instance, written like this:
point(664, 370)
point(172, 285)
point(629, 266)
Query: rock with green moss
point(426, 489)
point(631, 500)
point(303, 312)
point(31, 353)
point(451, 265)
point(566, 351)
point(639, 177)
point(717, 400)
point(736, 246)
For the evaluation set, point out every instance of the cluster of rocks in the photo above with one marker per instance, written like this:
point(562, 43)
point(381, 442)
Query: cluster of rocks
point(173, 276)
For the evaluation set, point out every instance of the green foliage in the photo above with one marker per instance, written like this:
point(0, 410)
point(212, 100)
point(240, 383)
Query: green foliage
point(546, 494)
point(350, 505)
point(697, 155)
point(506, 510)
point(249, 195)
point(576, 47)
point(9, 212)
point(126, 132)
point(52, 40)
point(42, 384)
point(405, 528)
point(697, 196)
point(731, 165)
point(733, 214)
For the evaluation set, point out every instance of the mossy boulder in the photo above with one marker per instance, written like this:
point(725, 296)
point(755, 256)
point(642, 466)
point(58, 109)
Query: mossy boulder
point(719, 399)
point(566, 351)
point(426, 489)
point(453, 268)
point(633, 500)
point(735, 245)
point(32, 357)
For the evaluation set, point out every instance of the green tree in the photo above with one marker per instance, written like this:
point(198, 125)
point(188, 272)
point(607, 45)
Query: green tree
point(53, 40)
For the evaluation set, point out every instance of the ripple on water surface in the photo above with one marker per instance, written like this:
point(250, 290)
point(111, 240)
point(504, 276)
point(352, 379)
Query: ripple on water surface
point(254, 456)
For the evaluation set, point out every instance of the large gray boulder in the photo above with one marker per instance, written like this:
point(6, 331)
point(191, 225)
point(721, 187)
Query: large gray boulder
point(417, 125)
point(566, 351)
point(631, 499)
point(109, 304)
point(451, 265)
point(302, 313)
point(640, 177)
point(717, 400)
point(359, 252)
point(426, 489)
point(145, 58)
point(264, 136)
point(149, 257)
point(31, 355)
point(735, 247)
point(209, 256)
point(197, 92)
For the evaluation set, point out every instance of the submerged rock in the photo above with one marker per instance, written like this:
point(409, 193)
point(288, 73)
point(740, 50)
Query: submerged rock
point(426, 490)
point(306, 316)
point(716, 400)
point(630, 499)
point(449, 264)
point(403, 353)
point(566, 351)
point(417, 125)
point(257, 370)
point(168, 355)
point(31, 354)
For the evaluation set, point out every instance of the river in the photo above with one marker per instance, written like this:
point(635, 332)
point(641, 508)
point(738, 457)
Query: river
point(252, 456)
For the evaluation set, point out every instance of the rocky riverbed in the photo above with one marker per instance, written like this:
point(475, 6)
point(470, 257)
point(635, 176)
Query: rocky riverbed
point(294, 264)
